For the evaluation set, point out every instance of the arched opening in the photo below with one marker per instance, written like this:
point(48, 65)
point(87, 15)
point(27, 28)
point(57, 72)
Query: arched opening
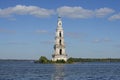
point(60, 42)
point(60, 51)
point(59, 23)
point(60, 34)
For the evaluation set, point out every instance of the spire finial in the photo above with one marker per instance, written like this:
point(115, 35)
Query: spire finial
point(59, 18)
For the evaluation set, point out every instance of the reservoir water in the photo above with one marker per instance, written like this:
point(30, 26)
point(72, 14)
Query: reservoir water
point(27, 70)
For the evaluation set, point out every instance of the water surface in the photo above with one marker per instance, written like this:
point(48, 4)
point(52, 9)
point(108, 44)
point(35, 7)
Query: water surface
point(27, 70)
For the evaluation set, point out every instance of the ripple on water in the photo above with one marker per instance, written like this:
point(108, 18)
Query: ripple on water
point(25, 70)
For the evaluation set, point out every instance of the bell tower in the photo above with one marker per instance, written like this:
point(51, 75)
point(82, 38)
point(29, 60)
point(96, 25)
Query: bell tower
point(59, 46)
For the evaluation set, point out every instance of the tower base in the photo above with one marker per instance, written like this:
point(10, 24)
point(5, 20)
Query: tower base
point(59, 57)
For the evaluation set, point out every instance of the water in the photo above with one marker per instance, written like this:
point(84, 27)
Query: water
point(26, 70)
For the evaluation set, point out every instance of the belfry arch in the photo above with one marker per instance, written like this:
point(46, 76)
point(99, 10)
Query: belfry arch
point(60, 42)
point(60, 34)
point(60, 51)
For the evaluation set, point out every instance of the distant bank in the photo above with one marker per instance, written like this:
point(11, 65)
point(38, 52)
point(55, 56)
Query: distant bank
point(16, 60)
point(94, 59)
point(44, 60)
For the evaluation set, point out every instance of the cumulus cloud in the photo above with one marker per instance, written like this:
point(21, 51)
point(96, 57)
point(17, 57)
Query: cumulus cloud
point(115, 17)
point(64, 11)
point(74, 12)
point(103, 12)
point(25, 10)
point(79, 12)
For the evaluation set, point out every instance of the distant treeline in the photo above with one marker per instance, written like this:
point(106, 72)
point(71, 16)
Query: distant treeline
point(15, 60)
point(94, 59)
point(44, 60)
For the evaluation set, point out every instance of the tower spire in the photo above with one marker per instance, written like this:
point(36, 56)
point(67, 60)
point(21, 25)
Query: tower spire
point(59, 46)
point(59, 23)
point(59, 18)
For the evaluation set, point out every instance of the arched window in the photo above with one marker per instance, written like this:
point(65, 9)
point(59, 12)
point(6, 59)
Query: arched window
point(60, 51)
point(59, 23)
point(60, 34)
point(60, 42)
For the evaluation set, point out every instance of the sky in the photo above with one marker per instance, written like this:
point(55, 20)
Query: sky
point(91, 28)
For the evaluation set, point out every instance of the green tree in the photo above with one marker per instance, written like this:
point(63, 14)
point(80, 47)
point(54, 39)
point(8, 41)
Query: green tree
point(43, 59)
point(60, 61)
point(70, 60)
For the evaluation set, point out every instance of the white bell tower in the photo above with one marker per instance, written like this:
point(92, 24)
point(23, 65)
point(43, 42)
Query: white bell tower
point(59, 47)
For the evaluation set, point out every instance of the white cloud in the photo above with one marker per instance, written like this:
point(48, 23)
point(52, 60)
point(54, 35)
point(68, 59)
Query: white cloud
point(115, 17)
point(24, 10)
point(64, 11)
point(79, 12)
point(74, 12)
point(103, 12)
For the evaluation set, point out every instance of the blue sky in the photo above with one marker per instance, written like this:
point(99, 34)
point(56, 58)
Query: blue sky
point(91, 28)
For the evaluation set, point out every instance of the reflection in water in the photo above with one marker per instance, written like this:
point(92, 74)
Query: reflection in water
point(25, 70)
point(59, 72)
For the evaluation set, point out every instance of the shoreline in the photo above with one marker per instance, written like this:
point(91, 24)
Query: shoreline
point(75, 60)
